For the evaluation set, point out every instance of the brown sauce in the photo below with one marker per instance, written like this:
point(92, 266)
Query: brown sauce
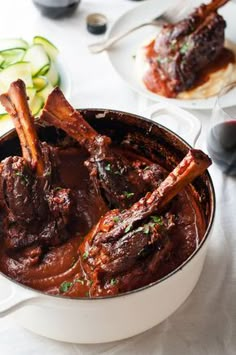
point(156, 82)
point(58, 269)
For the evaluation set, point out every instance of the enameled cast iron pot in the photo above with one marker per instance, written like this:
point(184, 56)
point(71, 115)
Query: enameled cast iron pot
point(112, 318)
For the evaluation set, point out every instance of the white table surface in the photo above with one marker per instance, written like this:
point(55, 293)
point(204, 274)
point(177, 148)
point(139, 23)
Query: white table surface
point(206, 323)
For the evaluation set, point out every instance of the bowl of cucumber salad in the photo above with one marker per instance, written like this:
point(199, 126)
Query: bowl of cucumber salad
point(38, 64)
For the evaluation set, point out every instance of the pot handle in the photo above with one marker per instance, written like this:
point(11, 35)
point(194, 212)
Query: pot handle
point(182, 122)
point(14, 298)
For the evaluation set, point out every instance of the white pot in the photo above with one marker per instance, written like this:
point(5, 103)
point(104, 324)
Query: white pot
point(110, 318)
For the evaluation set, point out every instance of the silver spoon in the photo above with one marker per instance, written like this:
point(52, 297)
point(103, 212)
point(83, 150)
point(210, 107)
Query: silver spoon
point(171, 15)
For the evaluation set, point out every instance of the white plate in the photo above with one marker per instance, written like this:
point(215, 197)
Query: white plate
point(121, 55)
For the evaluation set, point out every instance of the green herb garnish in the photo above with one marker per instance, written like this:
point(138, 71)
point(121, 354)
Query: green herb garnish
point(184, 48)
point(57, 188)
point(128, 194)
point(65, 286)
point(146, 168)
point(173, 44)
point(108, 167)
point(113, 282)
point(162, 60)
point(146, 229)
point(73, 261)
point(48, 172)
point(139, 229)
point(24, 178)
point(157, 219)
point(128, 228)
point(116, 219)
point(85, 255)
point(79, 281)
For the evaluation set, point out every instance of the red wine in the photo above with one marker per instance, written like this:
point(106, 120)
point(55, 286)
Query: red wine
point(221, 144)
point(56, 8)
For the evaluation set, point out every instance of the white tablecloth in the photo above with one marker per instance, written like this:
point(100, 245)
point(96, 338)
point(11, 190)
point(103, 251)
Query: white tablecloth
point(206, 323)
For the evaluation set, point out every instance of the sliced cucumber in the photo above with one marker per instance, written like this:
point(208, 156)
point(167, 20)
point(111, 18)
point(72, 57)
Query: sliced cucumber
point(35, 65)
point(38, 58)
point(4, 116)
point(6, 123)
point(12, 56)
point(46, 91)
point(20, 70)
point(36, 105)
point(40, 82)
point(31, 92)
point(50, 49)
point(1, 60)
point(53, 75)
point(10, 43)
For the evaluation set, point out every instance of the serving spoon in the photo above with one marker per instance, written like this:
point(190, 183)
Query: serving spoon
point(173, 14)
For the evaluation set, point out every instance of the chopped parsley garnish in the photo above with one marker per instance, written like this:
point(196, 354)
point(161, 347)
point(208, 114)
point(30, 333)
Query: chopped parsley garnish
point(184, 48)
point(116, 219)
point(139, 229)
point(73, 262)
point(128, 228)
point(162, 60)
point(65, 286)
point(113, 282)
point(128, 194)
point(173, 44)
point(146, 168)
point(108, 167)
point(24, 178)
point(157, 219)
point(85, 255)
point(146, 229)
point(48, 172)
point(57, 188)
point(79, 281)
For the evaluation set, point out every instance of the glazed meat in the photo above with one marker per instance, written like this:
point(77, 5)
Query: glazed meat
point(34, 209)
point(188, 46)
point(120, 183)
point(125, 249)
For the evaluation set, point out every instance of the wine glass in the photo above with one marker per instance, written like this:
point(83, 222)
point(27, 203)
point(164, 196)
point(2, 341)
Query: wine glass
point(221, 138)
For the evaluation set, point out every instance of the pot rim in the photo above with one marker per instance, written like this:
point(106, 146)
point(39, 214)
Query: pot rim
point(155, 283)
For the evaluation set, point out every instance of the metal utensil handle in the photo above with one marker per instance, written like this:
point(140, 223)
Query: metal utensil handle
point(102, 46)
point(192, 125)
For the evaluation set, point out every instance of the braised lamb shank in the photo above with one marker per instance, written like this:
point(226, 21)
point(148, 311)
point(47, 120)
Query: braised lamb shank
point(34, 209)
point(185, 48)
point(125, 249)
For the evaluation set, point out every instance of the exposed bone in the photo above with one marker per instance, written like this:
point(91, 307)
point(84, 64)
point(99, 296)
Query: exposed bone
point(59, 113)
point(16, 104)
point(193, 165)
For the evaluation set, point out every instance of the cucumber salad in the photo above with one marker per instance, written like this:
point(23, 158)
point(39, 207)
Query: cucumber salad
point(34, 63)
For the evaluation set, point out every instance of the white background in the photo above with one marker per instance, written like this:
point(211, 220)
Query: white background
point(206, 323)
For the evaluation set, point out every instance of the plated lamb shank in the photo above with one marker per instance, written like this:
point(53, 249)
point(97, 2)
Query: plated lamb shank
point(185, 48)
